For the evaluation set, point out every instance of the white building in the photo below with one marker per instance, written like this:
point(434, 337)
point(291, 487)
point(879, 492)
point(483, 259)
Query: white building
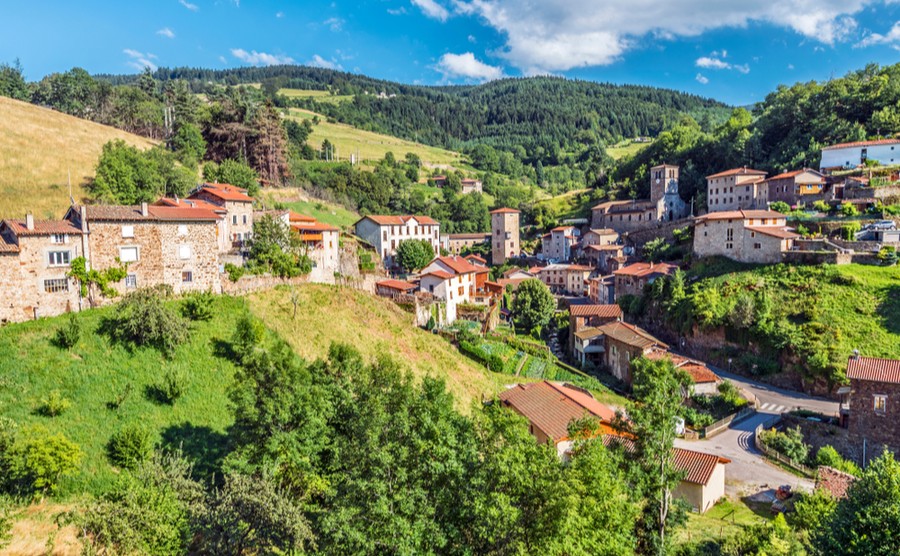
point(851, 155)
point(450, 279)
point(386, 232)
point(557, 245)
point(566, 278)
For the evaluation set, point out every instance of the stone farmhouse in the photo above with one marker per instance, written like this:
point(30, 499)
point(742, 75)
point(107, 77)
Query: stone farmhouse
point(237, 204)
point(664, 205)
point(749, 236)
point(469, 185)
point(798, 187)
point(551, 407)
point(735, 189)
point(223, 238)
point(631, 279)
point(874, 403)
point(385, 233)
point(455, 243)
point(587, 315)
point(452, 280)
point(850, 155)
point(504, 235)
point(613, 345)
point(566, 279)
point(558, 245)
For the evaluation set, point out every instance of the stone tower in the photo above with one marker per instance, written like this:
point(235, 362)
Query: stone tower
point(664, 193)
point(504, 235)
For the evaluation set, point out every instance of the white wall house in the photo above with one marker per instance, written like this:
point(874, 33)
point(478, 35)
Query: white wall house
point(450, 279)
point(386, 232)
point(851, 155)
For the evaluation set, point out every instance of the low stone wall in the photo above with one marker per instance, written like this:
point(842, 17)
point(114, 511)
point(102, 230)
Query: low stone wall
point(816, 257)
point(887, 192)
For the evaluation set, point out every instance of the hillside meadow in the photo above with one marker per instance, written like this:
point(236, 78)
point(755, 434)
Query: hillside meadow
point(40, 149)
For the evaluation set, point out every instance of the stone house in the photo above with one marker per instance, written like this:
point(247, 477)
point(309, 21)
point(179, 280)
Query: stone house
point(386, 232)
point(601, 289)
point(469, 185)
point(455, 243)
point(623, 342)
point(223, 237)
point(557, 245)
point(750, 236)
point(631, 279)
point(161, 245)
point(874, 401)
point(602, 236)
point(600, 256)
point(588, 315)
point(800, 186)
point(664, 205)
point(452, 280)
point(735, 189)
point(35, 258)
point(504, 235)
point(237, 204)
point(565, 279)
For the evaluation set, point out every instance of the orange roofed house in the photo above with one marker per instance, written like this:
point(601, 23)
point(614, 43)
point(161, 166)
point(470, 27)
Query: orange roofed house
point(385, 233)
point(551, 407)
point(631, 279)
point(451, 279)
point(238, 207)
point(748, 236)
point(739, 188)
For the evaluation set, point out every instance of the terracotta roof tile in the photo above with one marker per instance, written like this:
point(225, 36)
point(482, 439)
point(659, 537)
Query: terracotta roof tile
point(740, 215)
point(630, 335)
point(313, 227)
point(443, 275)
point(835, 482)
point(43, 227)
point(505, 211)
point(774, 231)
point(595, 310)
point(390, 220)
point(646, 269)
point(551, 407)
point(873, 369)
point(737, 172)
point(189, 203)
point(698, 467)
point(396, 285)
point(225, 192)
point(862, 144)
point(182, 214)
point(457, 264)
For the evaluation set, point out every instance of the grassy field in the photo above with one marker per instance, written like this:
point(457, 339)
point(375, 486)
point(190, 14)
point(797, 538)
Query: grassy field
point(39, 148)
point(319, 96)
point(372, 146)
point(574, 204)
point(323, 211)
point(722, 520)
point(626, 148)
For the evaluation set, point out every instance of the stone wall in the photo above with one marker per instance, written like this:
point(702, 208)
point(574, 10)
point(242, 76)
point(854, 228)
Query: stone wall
point(651, 231)
point(22, 275)
point(888, 193)
point(202, 261)
point(865, 422)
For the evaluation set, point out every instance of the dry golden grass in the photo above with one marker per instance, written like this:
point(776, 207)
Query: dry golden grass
point(38, 147)
point(374, 326)
point(35, 533)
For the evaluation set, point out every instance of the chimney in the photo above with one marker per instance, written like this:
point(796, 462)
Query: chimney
point(144, 210)
point(29, 221)
point(84, 224)
point(856, 354)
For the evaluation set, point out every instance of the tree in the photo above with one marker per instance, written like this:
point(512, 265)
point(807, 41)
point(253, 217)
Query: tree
point(129, 176)
point(144, 319)
point(414, 254)
point(659, 389)
point(868, 520)
point(268, 148)
point(780, 206)
point(34, 459)
point(232, 172)
point(533, 306)
point(849, 209)
point(12, 81)
point(189, 144)
point(275, 248)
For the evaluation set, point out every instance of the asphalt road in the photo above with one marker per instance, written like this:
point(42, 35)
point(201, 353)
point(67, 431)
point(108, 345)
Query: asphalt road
point(773, 401)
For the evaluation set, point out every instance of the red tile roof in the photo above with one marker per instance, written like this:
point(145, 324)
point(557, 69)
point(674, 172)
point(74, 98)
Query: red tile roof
point(505, 211)
point(129, 213)
point(630, 334)
point(443, 275)
point(476, 258)
point(781, 233)
point(698, 467)
point(550, 407)
point(739, 215)
point(179, 214)
point(610, 247)
point(457, 264)
point(862, 144)
point(126, 213)
point(737, 172)
point(42, 227)
point(594, 310)
point(697, 370)
point(189, 203)
point(7, 244)
point(792, 174)
point(646, 269)
point(483, 236)
point(294, 217)
point(314, 227)
point(225, 192)
point(396, 285)
point(873, 369)
point(389, 220)
point(835, 482)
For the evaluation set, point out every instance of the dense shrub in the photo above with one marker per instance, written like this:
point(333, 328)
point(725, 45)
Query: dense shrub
point(171, 387)
point(54, 404)
point(827, 455)
point(198, 306)
point(234, 271)
point(34, 460)
point(491, 360)
point(144, 320)
point(68, 334)
point(130, 446)
point(248, 335)
point(789, 443)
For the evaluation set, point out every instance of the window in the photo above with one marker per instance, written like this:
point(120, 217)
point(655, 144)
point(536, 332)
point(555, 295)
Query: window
point(729, 234)
point(128, 254)
point(184, 252)
point(234, 219)
point(59, 238)
point(245, 219)
point(182, 230)
point(59, 258)
point(729, 245)
point(187, 276)
point(127, 231)
point(880, 404)
point(55, 285)
point(131, 281)
point(757, 245)
point(461, 290)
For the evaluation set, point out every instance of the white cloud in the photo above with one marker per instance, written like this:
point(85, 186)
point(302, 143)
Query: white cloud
point(166, 32)
point(432, 9)
point(255, 58)
point(320, 62)
point(139, 60)
point(397, 11)
point(472, 39)
point(711, 63)
point(790, 66)
point(701, 79)
point(467, 66)
point(743, 68)
point(334, 23)
point(223, 59)
point(188, 5)
point(892, 37)
point(558, 35)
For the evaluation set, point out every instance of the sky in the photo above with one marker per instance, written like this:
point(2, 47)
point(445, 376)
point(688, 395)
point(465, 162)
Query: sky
point(735, 51)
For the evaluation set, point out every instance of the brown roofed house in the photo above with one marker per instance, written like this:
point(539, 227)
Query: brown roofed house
point(874, 402)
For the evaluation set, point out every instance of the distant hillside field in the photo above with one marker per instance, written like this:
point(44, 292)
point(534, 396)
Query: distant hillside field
point(371, 146)
point(38, 147)
point(321, 96)
point(626, 148)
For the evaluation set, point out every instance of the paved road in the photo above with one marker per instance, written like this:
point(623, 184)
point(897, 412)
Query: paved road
point(749, 472)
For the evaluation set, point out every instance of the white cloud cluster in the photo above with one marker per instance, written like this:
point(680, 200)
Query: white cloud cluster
point(334, 23)
point(320, 62)
point(255, 58)
point(139, 60)
point(467, 66)
point(892, 37)
point(166, 32)
point(702, 79)
point(718, 64)
point(188, 5)
point(558, 35)
point(432, 9)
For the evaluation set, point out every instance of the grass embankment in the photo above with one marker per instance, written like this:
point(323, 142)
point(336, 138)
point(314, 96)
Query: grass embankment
point(300, 202)
point(97, 371)
point(40, 149)
point(369, 145)
point(573, 204)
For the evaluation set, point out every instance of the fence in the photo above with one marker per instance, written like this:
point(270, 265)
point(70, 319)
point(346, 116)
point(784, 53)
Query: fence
point(775, 454)
point(722, 424)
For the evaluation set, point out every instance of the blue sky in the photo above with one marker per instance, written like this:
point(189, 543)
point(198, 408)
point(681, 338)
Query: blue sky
point(732, 50)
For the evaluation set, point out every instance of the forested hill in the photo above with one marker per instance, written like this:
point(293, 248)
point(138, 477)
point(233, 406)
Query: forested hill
point(543, 115)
